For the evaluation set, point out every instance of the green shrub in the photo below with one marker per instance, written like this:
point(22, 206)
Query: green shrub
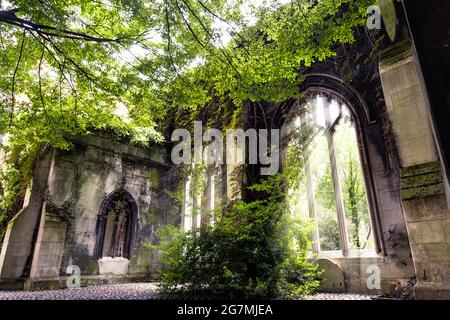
point(254, 251)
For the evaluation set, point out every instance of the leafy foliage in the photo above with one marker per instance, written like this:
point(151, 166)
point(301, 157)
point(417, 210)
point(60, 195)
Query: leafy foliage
point(15, 174)
point(74, 66)
point(68, 66)
point(255, 250)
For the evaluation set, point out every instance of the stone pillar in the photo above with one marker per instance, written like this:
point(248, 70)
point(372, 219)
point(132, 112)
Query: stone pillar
point(48, 253)
point(423, 194)
point(18, 241)
point(51, 235)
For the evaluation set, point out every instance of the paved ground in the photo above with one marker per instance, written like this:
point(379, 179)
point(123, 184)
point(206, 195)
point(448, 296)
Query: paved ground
point(128, 291)
point(339, 296)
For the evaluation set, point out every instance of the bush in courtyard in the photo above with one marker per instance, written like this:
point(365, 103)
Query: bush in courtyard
point(254, 250)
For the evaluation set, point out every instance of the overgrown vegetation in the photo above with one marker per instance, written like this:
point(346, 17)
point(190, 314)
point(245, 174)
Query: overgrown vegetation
point(140, 67)
point(15, 175)
point(74, 66)
point(255, 249)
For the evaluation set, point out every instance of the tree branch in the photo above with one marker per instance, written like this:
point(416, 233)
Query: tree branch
point(13, 95)
point(210, 35)
point(169, 41)
point(186, 23)
point(40, 88)
point(9, 17)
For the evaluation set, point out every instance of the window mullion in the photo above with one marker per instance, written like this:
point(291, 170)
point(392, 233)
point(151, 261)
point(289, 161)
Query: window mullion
point(312, 205)
point(310, 188)
point(336, 184)
point(209, 197)
point(188, 204)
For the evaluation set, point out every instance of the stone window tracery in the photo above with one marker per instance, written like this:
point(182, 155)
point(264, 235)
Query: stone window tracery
point(332, 190)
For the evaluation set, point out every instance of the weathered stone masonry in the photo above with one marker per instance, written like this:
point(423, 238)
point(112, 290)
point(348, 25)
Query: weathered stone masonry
point(422, 185)
point(403, 151)
point(58, 225)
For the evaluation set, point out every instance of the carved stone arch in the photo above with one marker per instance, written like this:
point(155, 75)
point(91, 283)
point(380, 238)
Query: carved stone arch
point(336, 87)
point(129, 210)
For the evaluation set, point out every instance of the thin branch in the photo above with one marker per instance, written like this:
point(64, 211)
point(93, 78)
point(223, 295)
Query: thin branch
point(229, 61)
point(169, 42)
point(61, 65)
point(68, 79)
point(13, 95)
point(189, 26)
point(242, 43)
point(40, 88)
point(10, 17)
point(223, 20)
point(211, 37)
point(92, 78)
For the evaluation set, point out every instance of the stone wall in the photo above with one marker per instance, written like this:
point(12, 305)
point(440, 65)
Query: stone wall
point(422, 184)
point(76, 183)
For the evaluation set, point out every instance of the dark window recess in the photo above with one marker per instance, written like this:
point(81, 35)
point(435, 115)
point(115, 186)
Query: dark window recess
point(115, 225)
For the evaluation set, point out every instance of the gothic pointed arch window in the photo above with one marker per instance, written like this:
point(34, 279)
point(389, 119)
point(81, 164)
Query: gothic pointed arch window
point(115, 225)
point(332, 189)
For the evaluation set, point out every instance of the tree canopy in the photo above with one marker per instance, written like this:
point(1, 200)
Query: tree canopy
point(71, 66)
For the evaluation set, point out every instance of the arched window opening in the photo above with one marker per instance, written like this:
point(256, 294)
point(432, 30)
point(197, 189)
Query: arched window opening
point(116, 222)
point(332, 190)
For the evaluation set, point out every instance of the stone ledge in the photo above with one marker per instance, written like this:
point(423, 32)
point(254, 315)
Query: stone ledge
point(419, 169)
point(396, 52)
point(432, 291)
point(155, 153)
point(333, 277)
point(11, 284)
point(421, 181)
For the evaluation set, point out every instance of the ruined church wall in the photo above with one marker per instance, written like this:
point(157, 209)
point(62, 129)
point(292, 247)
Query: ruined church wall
point(79, 181)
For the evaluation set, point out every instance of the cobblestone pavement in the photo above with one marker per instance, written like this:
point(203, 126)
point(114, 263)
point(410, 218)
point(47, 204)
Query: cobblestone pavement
point(339, 296)
point(128, 291)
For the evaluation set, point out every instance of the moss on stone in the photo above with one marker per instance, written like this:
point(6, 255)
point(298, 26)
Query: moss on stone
point(420, 169)
point(154, 178)
point(153, 216)
point(396, 52)
point(421, 181)
point(422, 192)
